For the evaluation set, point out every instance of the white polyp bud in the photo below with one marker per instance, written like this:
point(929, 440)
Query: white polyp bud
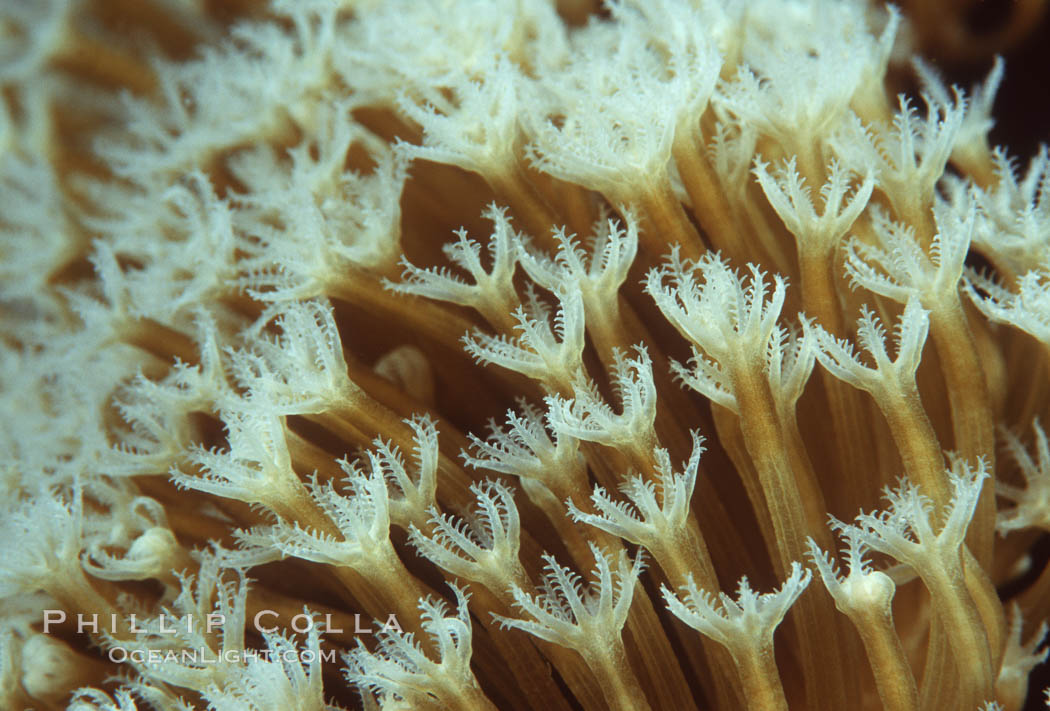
point(153, 554)
point(862, 588)
point(876, 589)
point(159, 430)
point(408, 368)
point(731, 149)
point(334, 223)
point(154, 547)
point(50, 669)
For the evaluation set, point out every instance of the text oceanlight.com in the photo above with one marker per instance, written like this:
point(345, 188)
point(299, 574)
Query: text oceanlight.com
point(203, 655)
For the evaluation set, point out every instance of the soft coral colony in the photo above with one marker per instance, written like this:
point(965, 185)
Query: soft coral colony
point(501, 362)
